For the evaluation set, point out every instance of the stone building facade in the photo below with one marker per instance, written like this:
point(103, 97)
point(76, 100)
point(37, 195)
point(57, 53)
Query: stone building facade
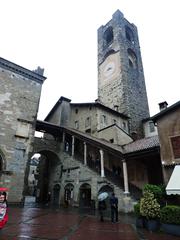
point(92, 118)
point(86, 148)
point(19, 101)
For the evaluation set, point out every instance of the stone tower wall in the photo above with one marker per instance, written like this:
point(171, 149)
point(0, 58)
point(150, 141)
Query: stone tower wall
point(127, 89)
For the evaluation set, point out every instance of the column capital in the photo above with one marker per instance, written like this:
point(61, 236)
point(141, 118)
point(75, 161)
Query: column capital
point(101, 151)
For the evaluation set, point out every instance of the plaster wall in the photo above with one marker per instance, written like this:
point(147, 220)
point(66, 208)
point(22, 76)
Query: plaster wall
point(168, 128)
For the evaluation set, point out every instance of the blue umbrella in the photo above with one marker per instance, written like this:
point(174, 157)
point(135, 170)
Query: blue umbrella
point(102, 196)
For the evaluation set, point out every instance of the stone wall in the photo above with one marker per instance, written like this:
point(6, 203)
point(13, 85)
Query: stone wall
point(19, 101)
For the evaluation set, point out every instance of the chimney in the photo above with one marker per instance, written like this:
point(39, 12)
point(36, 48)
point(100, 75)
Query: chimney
point(163, 105)
point(39, 70)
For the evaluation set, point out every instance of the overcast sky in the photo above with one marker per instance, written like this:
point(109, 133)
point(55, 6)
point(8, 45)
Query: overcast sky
point(61, 37)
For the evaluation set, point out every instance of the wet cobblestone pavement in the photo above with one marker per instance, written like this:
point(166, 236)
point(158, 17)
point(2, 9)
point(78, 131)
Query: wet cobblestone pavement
point(52, 224)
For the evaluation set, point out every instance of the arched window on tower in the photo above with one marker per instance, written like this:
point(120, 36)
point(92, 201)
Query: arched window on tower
point(129, 34)
point(132, 58)
point(108, 36)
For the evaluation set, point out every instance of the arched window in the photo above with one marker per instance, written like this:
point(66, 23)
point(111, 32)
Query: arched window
point(129, 34)
point(108, 35)
point(132, 58)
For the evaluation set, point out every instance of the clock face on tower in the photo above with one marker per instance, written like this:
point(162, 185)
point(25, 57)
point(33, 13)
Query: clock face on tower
point(109, 68)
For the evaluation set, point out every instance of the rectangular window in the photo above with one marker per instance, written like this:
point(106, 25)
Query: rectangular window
point(151, 127)
point(116, 108)
point(103, 120)
point(88, 122)
point(124, 125)
point(175, 143)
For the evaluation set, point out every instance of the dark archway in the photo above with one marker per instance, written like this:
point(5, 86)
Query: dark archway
point(85, 195)
point(68, 194)
point(106, 188)
point(47, 168)
point(2, 161)
point(56, 194)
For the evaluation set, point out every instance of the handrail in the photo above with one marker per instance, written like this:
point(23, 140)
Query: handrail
point(111, 176)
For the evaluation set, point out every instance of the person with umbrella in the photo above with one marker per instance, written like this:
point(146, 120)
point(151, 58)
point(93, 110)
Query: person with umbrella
point(102, 205)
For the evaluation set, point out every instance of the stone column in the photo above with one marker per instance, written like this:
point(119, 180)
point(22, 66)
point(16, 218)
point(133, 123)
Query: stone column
point(73, 139)
point(125, 176)
point(85, 153)
point(102, 162)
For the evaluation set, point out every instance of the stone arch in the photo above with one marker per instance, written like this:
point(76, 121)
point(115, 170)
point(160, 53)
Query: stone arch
point(69, 194)
point(2, 161)
point(129, 34)
point(132, 58)
point(106, 188)
point(109, 190)
point(108, 35)
point(49, 170)
point(85, 195)
point(41, 145)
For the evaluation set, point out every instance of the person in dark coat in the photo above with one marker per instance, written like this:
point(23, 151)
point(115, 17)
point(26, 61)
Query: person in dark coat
point(48, 198)
point(101, 208)
point(114, 208)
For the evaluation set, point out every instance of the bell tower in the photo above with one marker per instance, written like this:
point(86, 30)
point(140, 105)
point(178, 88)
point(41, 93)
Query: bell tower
point(121, 84)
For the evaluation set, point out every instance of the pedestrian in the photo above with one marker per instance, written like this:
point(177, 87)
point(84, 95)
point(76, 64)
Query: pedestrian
point(114, 208)
point(48, 198)
point(101, 208)
point(3, 209)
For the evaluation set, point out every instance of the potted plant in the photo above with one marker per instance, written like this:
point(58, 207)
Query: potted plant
point(170, 219)
point(159, 192)
point(139, 217)
point(150, 209)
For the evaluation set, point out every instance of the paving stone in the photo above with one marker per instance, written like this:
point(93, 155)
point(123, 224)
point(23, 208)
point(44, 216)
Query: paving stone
point(61, 224)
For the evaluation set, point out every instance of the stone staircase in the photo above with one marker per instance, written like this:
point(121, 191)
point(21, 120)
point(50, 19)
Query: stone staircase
point(84, 174)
